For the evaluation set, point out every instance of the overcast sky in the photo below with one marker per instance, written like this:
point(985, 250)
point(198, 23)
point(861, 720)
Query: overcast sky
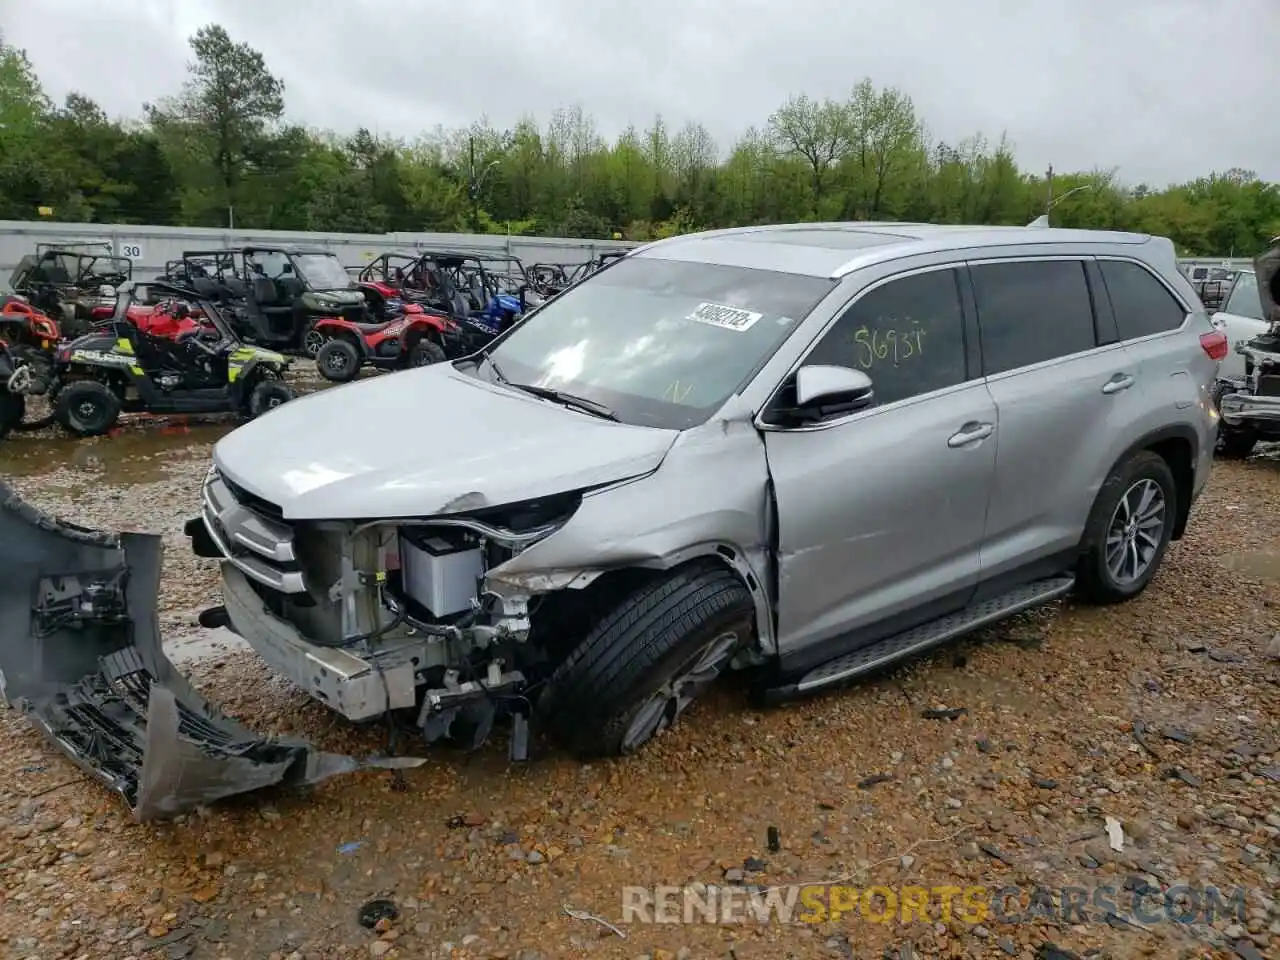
point(1163, 89)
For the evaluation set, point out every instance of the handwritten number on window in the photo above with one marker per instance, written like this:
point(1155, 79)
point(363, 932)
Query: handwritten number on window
point(894, 345)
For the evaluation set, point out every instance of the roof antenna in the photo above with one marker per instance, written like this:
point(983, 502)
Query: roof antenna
point(1040, 221)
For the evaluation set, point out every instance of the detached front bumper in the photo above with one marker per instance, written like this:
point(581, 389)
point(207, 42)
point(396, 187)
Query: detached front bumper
point(80, 654)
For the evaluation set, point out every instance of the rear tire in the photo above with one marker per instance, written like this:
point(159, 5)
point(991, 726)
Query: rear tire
point(312, 341)
point(1123, 543)
point(86, 408)
point(425, 353)
point(267, 395)
point(338, 361)
point(617, 689)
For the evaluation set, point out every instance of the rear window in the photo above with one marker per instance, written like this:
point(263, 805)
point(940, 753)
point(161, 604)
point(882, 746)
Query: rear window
point(1032, 311)
point(660, 342)
point(1142, 304)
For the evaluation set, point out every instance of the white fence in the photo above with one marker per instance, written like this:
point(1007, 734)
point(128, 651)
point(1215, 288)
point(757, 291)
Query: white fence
point(151, 247)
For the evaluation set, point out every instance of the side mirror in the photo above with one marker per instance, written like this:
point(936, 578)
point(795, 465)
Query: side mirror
point(823, 391)
point(823, 382)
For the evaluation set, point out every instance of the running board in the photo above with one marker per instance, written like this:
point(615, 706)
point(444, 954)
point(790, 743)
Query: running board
point(901, 646)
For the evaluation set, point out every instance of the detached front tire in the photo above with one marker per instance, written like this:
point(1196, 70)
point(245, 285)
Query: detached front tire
point(338, 361)
point(1128, 531)
point(647, 660)
point(86, 408)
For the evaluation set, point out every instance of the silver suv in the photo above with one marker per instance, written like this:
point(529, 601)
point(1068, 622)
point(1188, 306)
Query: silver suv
point(804, 451)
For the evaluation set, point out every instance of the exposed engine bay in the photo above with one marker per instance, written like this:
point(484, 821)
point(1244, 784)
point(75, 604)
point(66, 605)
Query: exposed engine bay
point(389, 615)
point(80, 654)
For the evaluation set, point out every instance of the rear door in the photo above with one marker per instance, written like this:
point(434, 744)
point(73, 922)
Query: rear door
point(1064, 389)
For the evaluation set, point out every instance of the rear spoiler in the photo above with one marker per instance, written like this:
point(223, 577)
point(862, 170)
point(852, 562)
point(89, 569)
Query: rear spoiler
point(1267, 266)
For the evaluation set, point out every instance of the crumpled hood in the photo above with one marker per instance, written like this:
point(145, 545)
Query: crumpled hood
point(1267, 266)
point(424, 442)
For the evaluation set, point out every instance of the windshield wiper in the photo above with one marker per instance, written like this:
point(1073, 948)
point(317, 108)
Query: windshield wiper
point(568, 399)
point(493, 365)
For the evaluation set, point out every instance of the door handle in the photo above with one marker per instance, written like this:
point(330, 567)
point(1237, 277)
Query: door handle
point(1121, 381)
point(971, 433)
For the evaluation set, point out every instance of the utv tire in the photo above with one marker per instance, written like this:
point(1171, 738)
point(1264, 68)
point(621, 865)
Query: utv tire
point(619, 687)
point(267, 395)
point(86, 408)
point(339, 361)
point(424, 353)
point(1123, 526)
point(312, 341)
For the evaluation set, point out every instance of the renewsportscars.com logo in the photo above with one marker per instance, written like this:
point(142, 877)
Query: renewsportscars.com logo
point(819, 903)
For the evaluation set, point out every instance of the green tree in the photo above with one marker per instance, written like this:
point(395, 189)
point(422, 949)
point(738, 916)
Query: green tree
point(224, 108)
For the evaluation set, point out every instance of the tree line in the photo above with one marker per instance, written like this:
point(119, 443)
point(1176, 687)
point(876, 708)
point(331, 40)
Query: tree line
point(221, 152)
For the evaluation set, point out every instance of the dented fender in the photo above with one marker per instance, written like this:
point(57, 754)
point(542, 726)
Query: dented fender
point(81, 656)
point(710, 497)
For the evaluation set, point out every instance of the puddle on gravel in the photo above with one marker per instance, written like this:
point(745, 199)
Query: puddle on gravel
point(1257, 564)
point(137, 453)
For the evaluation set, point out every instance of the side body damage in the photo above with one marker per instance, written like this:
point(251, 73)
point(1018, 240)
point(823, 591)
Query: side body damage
point(80, 654)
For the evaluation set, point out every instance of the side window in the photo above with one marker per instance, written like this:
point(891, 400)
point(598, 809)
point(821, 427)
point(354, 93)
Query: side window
point(1142, 304)
point(1032, 311)
point(907, 336)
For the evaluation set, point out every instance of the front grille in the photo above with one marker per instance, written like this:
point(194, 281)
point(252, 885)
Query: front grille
point(253, 501)
point(252, 534)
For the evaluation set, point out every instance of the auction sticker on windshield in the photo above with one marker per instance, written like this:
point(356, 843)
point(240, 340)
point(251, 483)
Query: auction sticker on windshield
point(719, 315)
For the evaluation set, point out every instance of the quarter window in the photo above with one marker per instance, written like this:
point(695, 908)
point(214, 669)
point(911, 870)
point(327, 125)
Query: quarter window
point(1032, 311)
point(1142, 304)
point(907, 336)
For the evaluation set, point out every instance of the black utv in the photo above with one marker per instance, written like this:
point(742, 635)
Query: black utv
point(119, 369)
point(278, 294)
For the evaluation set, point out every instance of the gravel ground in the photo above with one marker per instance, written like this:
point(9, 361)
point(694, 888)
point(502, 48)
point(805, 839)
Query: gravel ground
point(1163, 714)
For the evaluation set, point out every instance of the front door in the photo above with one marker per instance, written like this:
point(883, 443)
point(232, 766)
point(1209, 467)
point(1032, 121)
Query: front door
point(881, 513)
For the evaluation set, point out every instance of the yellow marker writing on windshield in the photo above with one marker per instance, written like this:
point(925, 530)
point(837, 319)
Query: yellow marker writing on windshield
point(677, 392)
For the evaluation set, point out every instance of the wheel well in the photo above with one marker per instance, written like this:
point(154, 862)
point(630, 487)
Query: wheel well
point(559, 620)
point(1177, 452)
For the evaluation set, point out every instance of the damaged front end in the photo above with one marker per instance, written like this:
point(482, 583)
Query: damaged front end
point(81, 656)
point(387, 615)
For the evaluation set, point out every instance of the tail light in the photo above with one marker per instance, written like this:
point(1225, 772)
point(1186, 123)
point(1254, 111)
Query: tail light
point(1214, 344)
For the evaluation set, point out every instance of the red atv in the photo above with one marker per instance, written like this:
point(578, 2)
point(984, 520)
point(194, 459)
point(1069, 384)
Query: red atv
point(28, 338)
point(414, 339)
point(169, 319)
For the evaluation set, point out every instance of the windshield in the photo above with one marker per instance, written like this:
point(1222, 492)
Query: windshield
point(660, 342)
point(322, 271)
point(1244, 300)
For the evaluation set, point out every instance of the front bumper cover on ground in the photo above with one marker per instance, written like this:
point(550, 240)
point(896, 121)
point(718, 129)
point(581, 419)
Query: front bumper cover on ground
point(80, 654)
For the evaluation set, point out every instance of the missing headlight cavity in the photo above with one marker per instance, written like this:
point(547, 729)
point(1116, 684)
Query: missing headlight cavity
point(80, 655)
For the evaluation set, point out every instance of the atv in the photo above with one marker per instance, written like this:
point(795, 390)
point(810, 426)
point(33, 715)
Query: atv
point(30, 337)
point(278, 294)
point(119, 369)
point(68, 282)
point(1249, 406)
point(417, 338)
